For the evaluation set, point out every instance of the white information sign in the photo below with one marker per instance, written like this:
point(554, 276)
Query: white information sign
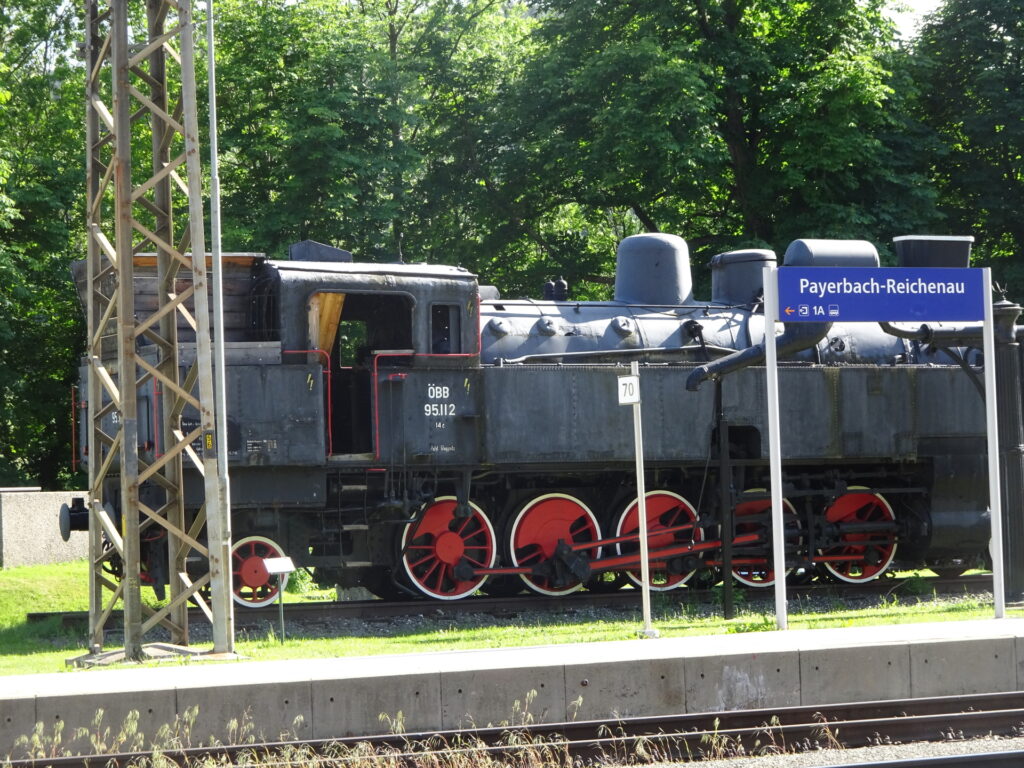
point(278, 565)
point(629, 390)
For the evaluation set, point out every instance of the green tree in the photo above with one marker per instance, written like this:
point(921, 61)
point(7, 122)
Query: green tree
point(41, 186)
point(970, 67)
point(7, 211)
point(728, 121)
point(355, 123)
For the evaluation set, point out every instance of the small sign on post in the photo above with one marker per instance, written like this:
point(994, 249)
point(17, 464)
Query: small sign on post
point(280, 567)
point(629, 394)
point(629, 390)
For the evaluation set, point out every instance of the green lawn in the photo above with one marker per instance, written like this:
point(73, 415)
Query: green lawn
point(44, 647)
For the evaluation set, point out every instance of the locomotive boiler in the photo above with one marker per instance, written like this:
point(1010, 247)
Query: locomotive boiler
point(403, 428)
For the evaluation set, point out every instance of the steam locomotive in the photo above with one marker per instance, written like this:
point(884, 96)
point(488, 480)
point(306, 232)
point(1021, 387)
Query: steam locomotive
point(403, 428)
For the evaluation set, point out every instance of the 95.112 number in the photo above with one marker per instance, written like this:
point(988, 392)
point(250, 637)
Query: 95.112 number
point(439, 409)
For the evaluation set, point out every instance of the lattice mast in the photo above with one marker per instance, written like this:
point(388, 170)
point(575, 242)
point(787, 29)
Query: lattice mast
point(142, 167)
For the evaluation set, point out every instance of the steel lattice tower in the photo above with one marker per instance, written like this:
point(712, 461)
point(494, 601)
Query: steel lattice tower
point(144, 196)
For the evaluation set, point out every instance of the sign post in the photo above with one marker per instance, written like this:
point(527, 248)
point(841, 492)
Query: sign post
point(629, 394)
point(280, 567)
point(880, 294)
point(771, 313)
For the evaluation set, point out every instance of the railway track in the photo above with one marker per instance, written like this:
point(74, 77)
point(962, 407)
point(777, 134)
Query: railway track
point(626, 599)
point(678, 738)
point(1011, 759)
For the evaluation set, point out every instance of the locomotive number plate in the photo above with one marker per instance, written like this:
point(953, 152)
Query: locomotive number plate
point(439, 409)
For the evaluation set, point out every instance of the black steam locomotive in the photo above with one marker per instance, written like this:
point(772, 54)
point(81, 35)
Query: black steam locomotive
point(402, 428)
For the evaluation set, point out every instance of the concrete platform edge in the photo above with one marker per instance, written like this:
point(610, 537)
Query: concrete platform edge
point(332, 698)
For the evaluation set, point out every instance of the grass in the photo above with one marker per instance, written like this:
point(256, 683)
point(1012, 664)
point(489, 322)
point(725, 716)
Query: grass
point(45, 646)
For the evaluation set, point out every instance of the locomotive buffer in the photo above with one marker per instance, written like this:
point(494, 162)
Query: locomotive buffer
point(882, 295)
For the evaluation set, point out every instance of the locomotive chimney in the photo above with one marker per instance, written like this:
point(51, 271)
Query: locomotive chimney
point(933, 250)
point(653, 269)
point(561, 290)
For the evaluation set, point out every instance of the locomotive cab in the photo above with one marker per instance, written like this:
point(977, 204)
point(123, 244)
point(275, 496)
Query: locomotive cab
point(367, 326)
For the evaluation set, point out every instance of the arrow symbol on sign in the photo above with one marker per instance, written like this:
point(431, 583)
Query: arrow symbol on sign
point(790, 310)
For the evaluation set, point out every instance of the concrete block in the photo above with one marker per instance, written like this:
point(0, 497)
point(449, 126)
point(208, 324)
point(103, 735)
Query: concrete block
point(231, 714)
point(477, 698)
point(742, 681)
point(862, 673)
point(112, 734)
point(955, 667)
point(371, 705)
point(17, 718)
point(624, 689)
point(1018, 647)
point(30, 531)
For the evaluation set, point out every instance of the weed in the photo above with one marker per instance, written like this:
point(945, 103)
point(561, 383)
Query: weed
point(916, 584)
point(574, 707)
point(299, 582)
point(775, 739)
point(395, 724)
point(40, 745)
point(739, 596)
point(521, 714)
point(825, 734)
point(764, 623)
point(718, 746)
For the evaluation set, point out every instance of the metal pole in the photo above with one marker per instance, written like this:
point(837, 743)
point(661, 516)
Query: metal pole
point(771, 312)
point(725, 506)
point(93, 42)
point(219, 365)
point(132, 597)
point(167, 271)
point(280, 603)
point(1011, 442)
point(641, 510)
point(216, 514)
point(992, 434)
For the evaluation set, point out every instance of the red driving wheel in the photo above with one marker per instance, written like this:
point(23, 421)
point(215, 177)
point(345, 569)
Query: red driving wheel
point(252, 584)
point(439, 540)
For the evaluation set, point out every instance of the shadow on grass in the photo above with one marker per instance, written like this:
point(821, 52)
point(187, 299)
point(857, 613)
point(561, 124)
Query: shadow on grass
point(42, 637)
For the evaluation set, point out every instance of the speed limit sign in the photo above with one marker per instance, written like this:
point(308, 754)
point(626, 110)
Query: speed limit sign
point(629, 390)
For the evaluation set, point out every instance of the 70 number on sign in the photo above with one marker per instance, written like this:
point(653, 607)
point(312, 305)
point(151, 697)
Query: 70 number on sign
point(629, 390)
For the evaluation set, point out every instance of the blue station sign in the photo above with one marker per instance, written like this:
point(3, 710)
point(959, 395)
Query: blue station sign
point(875, 294)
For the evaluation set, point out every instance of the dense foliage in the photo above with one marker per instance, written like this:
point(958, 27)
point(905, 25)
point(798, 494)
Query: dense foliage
point(41, 221)
point(522, 140)
point(970, 66)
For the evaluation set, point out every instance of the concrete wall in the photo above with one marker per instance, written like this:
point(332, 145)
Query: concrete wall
point(332, 698)
point(29, 530)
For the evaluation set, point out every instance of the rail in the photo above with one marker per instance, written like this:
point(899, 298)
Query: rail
point(625, 599)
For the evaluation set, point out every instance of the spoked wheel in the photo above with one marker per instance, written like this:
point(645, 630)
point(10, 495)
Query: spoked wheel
point(434, 545)
point(535, 535)
point(870, 553)
point(758, 571)
point(252, 584)
point(665, 510)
